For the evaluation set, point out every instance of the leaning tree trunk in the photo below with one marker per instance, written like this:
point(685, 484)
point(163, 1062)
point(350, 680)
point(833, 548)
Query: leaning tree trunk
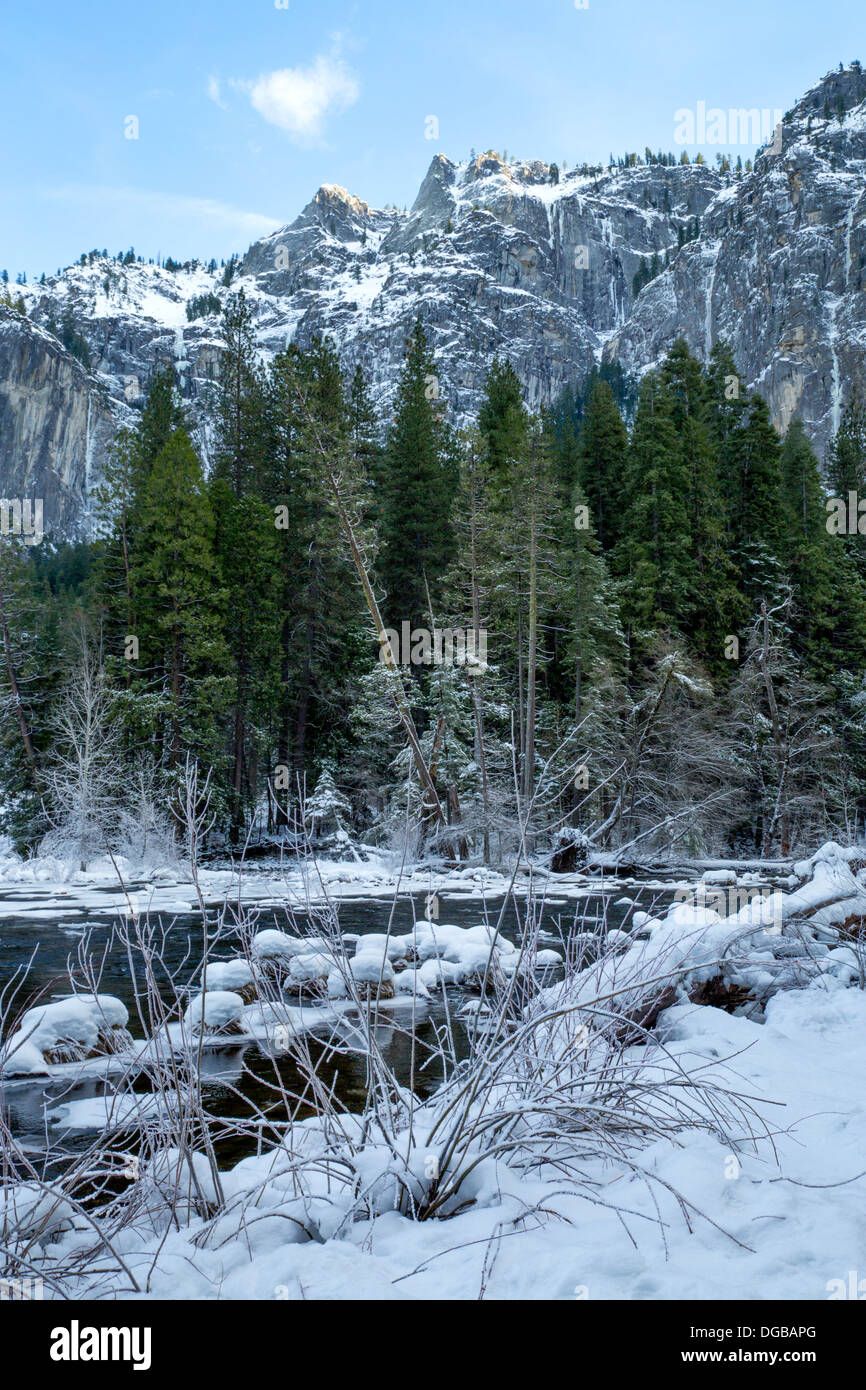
point(780, 811)
point(399, 692)
point(531, 665)
point(477, 708)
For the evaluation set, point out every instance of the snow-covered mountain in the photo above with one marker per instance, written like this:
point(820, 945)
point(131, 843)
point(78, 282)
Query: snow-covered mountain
point(779, 269)
point(494, 257)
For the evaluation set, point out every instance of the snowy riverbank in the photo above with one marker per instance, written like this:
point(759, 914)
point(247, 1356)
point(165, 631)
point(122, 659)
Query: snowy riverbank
point(677, 1114)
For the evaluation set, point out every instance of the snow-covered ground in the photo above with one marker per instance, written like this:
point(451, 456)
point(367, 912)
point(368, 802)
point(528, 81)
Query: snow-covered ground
point(718, 1155)
point(778, 1220)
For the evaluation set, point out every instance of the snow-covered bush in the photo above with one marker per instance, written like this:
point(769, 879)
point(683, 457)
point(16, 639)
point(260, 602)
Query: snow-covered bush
point(145, 831)
point(84, 791)
point(31, 1213)
point(179, 1183)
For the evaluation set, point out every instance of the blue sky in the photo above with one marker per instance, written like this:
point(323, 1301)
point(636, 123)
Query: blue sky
point(245, 107)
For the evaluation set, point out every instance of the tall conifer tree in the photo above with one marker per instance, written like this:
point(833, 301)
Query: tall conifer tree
point(420, 475)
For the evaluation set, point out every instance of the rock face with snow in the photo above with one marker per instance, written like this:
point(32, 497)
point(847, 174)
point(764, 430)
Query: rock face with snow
point(494, 258)
point(56, 422)
point(779, 270)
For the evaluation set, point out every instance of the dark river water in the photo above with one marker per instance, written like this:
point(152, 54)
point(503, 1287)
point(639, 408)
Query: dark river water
point(236, 1079)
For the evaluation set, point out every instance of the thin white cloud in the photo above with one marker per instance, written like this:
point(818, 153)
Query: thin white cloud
point(215, 93)
point(168, 205)
point(298, 100)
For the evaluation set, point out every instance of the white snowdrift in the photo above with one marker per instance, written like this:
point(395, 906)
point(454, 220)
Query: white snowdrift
point(781, 1217)
point(29, 1212)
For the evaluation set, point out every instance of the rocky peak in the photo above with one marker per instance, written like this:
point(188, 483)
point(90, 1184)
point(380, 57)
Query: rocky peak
point(337, 210)
point(431, 210)
point(835, 92)
point(780, 268)
point(491, 165)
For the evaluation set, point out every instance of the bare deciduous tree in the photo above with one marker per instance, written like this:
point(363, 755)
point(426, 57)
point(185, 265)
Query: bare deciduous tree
point(83, 777)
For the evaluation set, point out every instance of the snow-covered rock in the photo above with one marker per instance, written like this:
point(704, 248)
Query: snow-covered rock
point(236, 976)
point(217, 1011)
point(67, 1030)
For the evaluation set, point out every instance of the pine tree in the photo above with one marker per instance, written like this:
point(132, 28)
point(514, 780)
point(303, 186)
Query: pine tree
point(417, 541)
point(591, 617)
point(527, 539)
point(846, 470)
point(363, 424)
point(239, 407)
point(323, 638)
point(534, 483)
point(246, 550)
point(652, 556)
point(713, 607)
point(329, 620)
point(813, 568)
point(726, 404)
point(288, 488)
point(327, 806)
point(181, 605)
point(846, 464)
point(161, 416)
point(757, 509)
point(603, 446)
point(118, 506)
point(503, 422)
point(471, 588)
point(31, 662)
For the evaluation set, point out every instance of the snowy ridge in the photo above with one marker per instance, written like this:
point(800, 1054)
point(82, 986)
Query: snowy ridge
point(496, 257)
